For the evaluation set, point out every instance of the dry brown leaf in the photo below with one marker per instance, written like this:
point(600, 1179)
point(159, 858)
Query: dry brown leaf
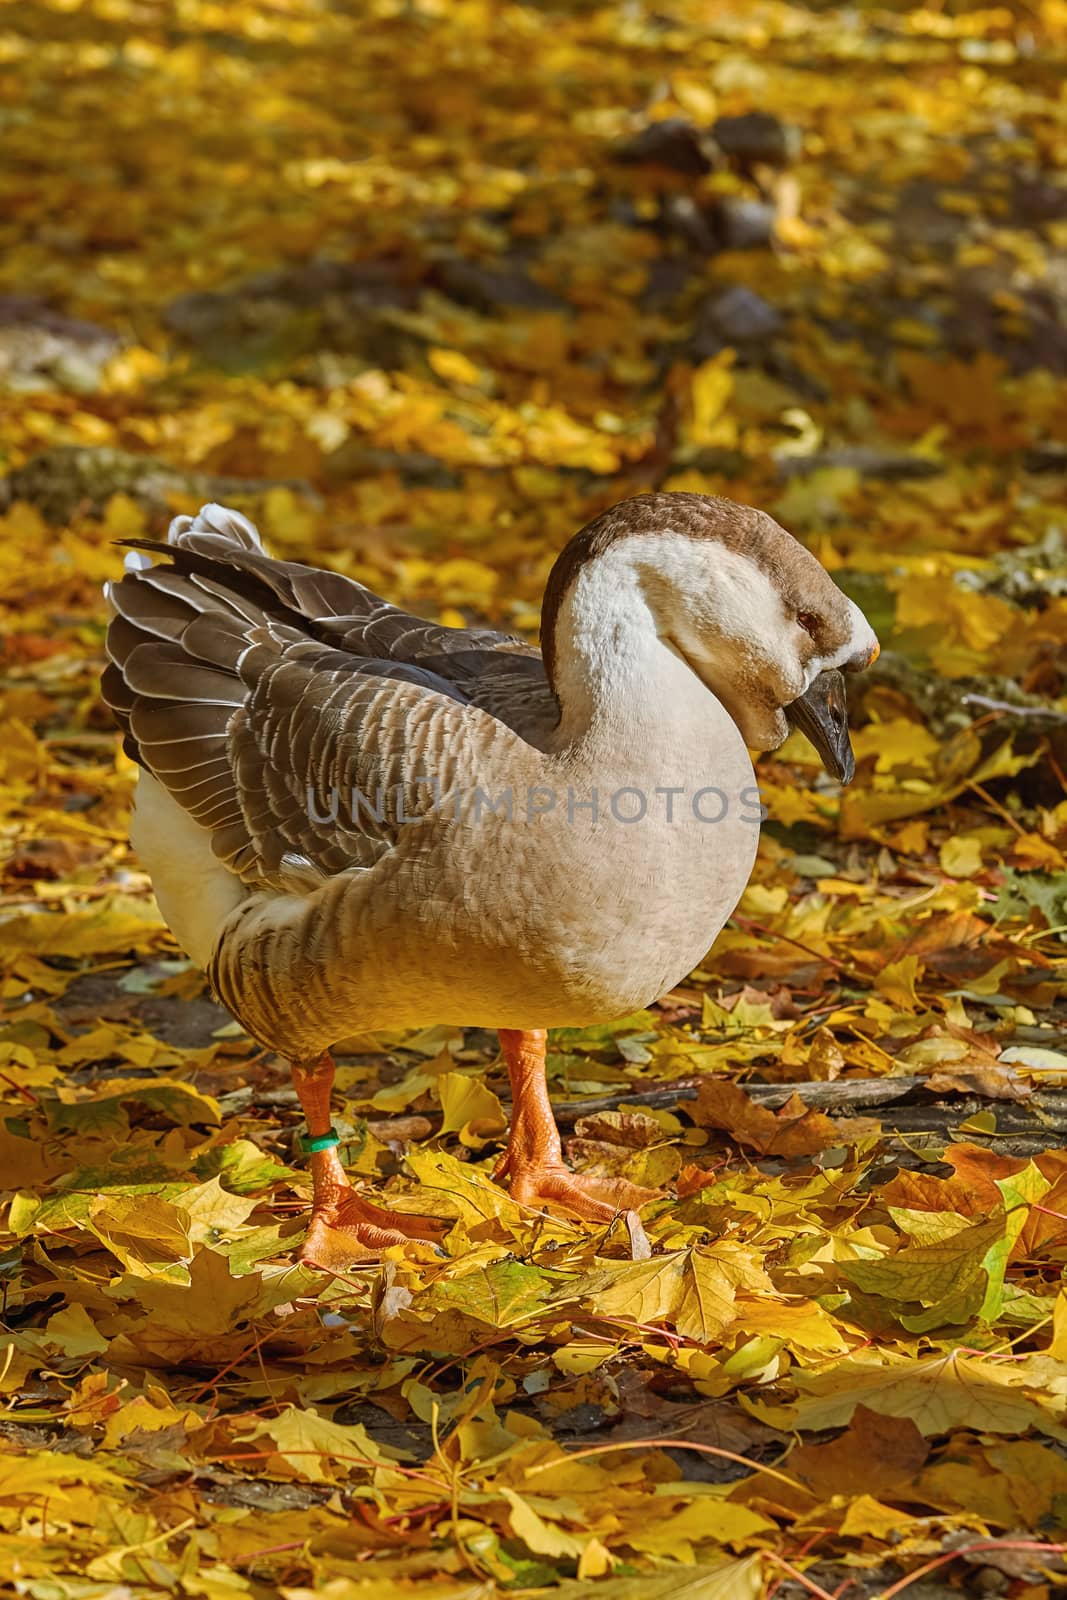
point(795, 1130)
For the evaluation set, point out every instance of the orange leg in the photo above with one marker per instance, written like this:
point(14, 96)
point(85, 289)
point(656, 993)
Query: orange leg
point(533, 1160)
point(344, 1227)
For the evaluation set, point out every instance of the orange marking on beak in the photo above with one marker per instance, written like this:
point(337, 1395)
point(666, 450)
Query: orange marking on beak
point(875, 653)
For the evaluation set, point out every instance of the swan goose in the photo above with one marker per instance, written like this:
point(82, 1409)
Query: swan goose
point(354, 818)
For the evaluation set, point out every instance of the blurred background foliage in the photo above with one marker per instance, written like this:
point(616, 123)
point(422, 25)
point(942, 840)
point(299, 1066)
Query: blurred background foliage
point(422, 285)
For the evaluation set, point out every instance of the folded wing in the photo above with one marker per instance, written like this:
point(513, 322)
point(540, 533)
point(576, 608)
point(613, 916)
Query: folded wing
point(267, 697)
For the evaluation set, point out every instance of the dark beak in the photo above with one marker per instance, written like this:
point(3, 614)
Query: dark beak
point(822, 714)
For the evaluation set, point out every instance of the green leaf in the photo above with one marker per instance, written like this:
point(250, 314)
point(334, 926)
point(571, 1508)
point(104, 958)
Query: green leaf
point(939, 1276)
point(244, 1168)
point(1020, 1191)
point(505, 1295)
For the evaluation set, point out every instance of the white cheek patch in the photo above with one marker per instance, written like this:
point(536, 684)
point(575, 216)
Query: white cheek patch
point(861, 641)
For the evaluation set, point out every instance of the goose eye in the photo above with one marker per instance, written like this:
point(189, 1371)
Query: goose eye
point(809, 622)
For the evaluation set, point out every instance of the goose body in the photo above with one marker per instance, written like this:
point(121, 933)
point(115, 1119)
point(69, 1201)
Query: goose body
point(553, 917)
point(355, 819)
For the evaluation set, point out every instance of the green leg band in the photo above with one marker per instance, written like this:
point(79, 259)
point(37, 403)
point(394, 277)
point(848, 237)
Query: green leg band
point(313, 1143)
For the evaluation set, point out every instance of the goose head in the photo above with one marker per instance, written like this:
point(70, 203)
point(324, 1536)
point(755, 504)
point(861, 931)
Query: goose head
point(752, 612)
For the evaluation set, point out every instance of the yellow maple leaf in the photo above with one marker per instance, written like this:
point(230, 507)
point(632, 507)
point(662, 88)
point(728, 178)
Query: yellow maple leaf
point(961, 856)
point(711, 386)
point(124, 517)
point(897, 743)
point(312, 1447)
point(896, 980)
point(454, 366)
point(470, 1109)
point(541, 1537)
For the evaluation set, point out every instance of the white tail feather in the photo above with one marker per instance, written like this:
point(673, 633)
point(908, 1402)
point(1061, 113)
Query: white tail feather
point(217, 519)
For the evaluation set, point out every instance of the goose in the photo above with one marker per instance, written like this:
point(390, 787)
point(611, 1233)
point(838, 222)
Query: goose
point(357, 819)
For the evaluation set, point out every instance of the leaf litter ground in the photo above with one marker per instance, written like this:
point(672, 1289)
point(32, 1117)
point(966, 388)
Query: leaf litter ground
point(384, 282)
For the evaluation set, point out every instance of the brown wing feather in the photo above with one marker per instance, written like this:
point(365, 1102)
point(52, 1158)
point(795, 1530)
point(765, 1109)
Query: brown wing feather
point(257, 690)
